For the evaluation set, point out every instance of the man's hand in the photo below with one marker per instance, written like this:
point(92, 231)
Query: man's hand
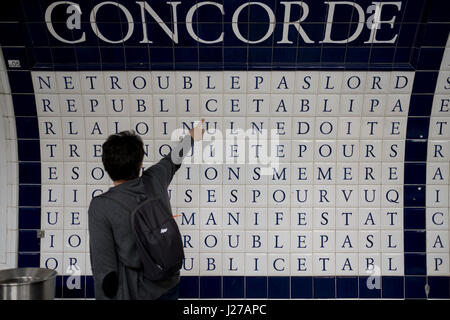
point(198, 131)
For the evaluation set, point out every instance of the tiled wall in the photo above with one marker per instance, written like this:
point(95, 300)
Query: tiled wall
point(355, 204)
point(8, 175)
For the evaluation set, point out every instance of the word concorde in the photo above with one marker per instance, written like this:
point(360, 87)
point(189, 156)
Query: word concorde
point(145, 10)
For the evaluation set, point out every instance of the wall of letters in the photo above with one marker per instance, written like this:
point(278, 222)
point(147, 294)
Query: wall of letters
point(324, 169)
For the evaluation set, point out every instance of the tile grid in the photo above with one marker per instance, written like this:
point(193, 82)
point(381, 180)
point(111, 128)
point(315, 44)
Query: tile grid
point(416, 278)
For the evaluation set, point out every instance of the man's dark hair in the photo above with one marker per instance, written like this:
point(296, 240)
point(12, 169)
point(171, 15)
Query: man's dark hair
point(122, 155)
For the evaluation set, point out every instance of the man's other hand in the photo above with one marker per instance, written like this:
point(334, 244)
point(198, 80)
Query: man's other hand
point(198, 131)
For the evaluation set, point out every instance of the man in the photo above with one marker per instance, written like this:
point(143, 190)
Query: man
point(114, 257)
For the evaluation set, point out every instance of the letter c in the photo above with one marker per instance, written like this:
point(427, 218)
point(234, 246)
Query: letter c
point(48, 22)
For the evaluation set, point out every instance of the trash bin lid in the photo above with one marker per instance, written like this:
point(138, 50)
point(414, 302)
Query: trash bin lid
point(23, 276)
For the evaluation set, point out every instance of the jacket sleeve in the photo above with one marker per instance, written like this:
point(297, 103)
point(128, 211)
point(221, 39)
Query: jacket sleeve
point(166, 168)
point(102, 252)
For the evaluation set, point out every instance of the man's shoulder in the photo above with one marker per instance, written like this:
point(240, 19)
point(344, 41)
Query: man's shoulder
point(101, 203)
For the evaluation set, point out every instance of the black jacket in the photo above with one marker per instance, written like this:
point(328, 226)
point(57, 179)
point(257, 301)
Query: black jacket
point(114, 258)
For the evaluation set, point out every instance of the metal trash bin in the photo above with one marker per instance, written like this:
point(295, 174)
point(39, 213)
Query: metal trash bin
point(27, 284)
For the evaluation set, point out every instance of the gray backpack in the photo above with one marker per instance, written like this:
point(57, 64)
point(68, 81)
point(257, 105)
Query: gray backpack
point(156, 232)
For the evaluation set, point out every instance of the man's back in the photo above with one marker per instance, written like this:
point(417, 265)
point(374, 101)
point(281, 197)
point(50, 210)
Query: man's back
point(113, 247)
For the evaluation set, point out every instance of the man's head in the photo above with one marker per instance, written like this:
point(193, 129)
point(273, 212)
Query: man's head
point(122, 155)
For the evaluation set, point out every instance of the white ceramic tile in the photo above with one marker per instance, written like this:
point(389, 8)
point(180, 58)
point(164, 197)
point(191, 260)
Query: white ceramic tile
point(307, 82)
point(443, 82)
point(392, 264)
point(301, 265)
point(323, 264)
point(92, 82)
point(233, 264)
point(115, 82)
point(188, 196)
point(346, 218)
point(52, 218)
point(188, 105)
point(438, 264)
point(233, 196)
point(211, 81)
point(395, 128)
point(256, 218)
point(354, 82)
point(397, 105)
point(233, 105)
point(68, 82)
point(187, 218)
point(186, 82)
point(392, 173)
point(378, 82)
point(44, 82)
point(282, 82)
point(325, 128)
point(190, 264)
point(52, 261)
point(330, 82)
point(50, 128)
point(402, 82)
point(234, 82)
point(259, 81)
point(439, 128)
point(52, 241)
point(96, 128)
point(74, 265)
point(52, 173)
point(351, 105)
point(256, 264)
point(437, 196)
point(392, 241)
point(94, 105)
point(163, 82)
point(437, 218)
point(369, 241)
point(437, 241)
point(346, 264)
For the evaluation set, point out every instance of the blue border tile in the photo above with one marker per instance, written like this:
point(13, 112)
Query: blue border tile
point(415, 173)
point(324, 287)
point(29, 218)
point(211, 287)
point(29, 195)
point(28, 241)
point(29, 150)
point(90, 289)
point(417, 128)
point(278, 287)
point(414, 218)
point(233, 287)
point(189, 287)
point(28, 260)
point(420, 104)
point(29, 173)
point(256, 287)
point(415, 241)
point(301, 287)
point(393, 287)
point(415, 264)
point(415, 287)
point(77, 287)
point(439, 287)
point(414, 196)
point(27, 127)
point(366, 292)
point(20, 81)
point(24, 105)
point(346, 287)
